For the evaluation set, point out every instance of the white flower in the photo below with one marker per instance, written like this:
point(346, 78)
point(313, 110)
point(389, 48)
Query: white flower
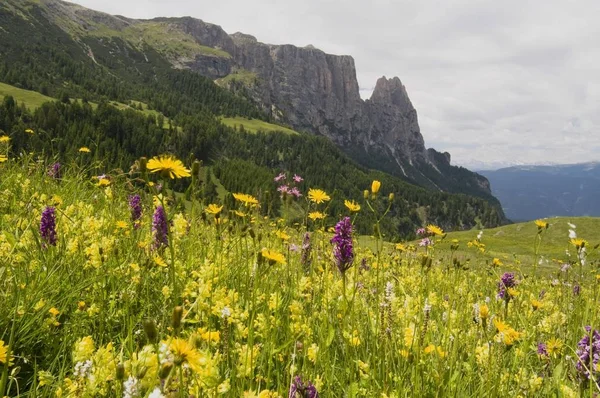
point(479, 235)
point(226, 312)
point(82, 369)
point(572, 226)
point(156, 393)
point(131, 388)
point(572, 234)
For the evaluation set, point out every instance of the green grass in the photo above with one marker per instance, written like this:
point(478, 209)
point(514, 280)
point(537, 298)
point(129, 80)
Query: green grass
point(515, 242)
point(244, 76)
point(255, 125)
point(31, 99)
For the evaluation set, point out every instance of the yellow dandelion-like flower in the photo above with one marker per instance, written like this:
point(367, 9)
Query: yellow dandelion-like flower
point(429, 349)
point(84, 149)
point(554, 346)
point(536, 304)
point(30, 131)
point(213, 209)
point(352, 206)
point(496, 262)
point(4, 138)
point(541, 224)
point(375, 185)
point(247, 200)
point(318, 196)
point(273, 256)
point(239, 213)
point(185, 353)
point(168, 166)
point(484, 311)
point(4, 359)
point(512, 292)
point(316, 215)
point(103, 182)
point(401, 247)
point(282, 235)
point(434, 229)
point(3, 158)
point(577, 242)
point(53, 311)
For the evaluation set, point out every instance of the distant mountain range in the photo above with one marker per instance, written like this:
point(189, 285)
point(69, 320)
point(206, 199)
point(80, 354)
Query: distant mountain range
point(531, 192)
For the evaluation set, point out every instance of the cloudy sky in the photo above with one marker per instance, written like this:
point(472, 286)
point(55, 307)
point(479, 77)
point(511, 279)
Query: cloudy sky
point(494, 82)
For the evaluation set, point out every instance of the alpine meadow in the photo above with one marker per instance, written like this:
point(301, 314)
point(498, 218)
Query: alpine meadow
point(190, 213)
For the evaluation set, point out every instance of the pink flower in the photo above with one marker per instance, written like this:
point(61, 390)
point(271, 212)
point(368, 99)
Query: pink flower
point(297, 178)
point(280, 177)
point(294, 191)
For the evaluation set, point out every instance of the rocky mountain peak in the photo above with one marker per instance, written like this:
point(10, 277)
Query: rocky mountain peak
point(391, 91)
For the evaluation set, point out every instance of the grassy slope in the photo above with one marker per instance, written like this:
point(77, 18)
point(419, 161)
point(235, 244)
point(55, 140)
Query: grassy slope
point(31, 99)
point(241, 75)
point(515, 242)
point(254, 125)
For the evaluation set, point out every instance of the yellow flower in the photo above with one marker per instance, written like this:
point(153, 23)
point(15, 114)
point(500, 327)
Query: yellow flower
point(4, 138)
point(316, 215)
point(211, 336)
point(185, 353)
point(273, 256)
point(434, 229)
point(536, 304)
point(375, 185)
point(429, 349)
point(84, 348)
point(4, 359)
point(512, 292)
point(352, 205)
point(282, 235)
point(313, 350)
point(484, 311)
point(247, 200)
point(239, 213)
point(45, 378)
point(84, 149)
point(318, 196)
point(103, 182)
point(3, 158)
point(160, 262)
point(121, 224)
point(401, 247)
point(29, 131)
point(53, 311)
point(496, 262)
point(213, 209)
point(554, 346)
point(168, 166)
point(578, 242)
point(541, 224)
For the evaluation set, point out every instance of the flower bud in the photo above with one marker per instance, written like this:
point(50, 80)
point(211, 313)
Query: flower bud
point(165, 370)
point(391, 197)
point(177, 315)
point(375, 185)
point(366, 194)
point(143, 164)
point(120, 372)
point(150, 329)
point(196, 168)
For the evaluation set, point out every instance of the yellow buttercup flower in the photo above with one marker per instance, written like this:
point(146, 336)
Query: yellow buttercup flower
point(316, 215)
point(168, 166)
point(29, 131)
point(246, 199)
point(318, 196)
point(213, 209)
point(352, 205)
point(3, 158)
point(375, 185)
point(273, 256)
point(434, 229)
point(4, 138)
point(103, 182)
point(84, 149)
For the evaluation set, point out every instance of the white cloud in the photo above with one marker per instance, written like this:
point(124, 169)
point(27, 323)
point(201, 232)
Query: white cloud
point(493, 82)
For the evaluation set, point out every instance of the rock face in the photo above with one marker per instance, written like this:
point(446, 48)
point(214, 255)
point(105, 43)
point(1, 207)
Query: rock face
point(308, 89)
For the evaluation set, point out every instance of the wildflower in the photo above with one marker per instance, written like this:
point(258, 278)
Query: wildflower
point(542, 350)
point(421, 231)
point(247, 200)
point(283, 189)
point(213, 209)
point(84, 348)
point(316, 215)
point(280, 177)
point(53, 311)
point(554, 346)
point(55, 171)
point(273, 256)
point(168, 167)
point(29, 131)
point(282, 235)
point(506, 281)
point(295, 192)
point(156, 393)
point(4, 358)
point(342, 240)
point(135, 206)
point(536, 304)
point(588, 353)
point(45, 378)
point(496, 262)
point(435, 230)
point(297, 179)
point(4, 139)
point(3, 158)
point(48, 226)
point(103, 182)
point(578, 243)
point(299, 389)
point(160, 228)
point(375, 185)
point(352, 206)
point(541, 224)
point(318, 196)
point(84, 149)
point(425, 242)
point(484, 311)
point(131, 388)
point(313, 350)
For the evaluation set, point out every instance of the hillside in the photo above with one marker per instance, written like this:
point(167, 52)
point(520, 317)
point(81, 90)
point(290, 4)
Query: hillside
point(530, 192)
point(128, 101)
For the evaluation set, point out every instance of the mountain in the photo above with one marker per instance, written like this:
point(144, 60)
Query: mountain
point(188, 87)
point(531, 192)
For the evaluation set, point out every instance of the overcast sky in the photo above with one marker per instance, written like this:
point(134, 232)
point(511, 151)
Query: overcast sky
point(494, 82)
